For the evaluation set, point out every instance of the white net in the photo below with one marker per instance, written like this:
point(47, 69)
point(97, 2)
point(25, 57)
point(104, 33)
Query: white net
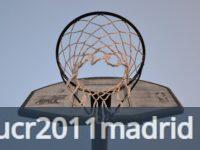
point(100, 38)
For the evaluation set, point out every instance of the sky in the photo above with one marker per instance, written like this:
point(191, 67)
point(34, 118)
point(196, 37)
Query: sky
point(29, 31)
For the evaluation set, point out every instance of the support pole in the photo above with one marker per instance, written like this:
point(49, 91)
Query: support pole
point(98, 143)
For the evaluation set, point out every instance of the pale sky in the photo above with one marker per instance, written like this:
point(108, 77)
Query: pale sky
point(29, 31)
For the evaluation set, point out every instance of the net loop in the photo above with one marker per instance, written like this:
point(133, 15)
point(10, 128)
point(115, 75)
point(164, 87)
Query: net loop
point(101, 37)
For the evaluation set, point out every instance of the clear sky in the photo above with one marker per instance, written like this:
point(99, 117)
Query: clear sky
point(29, 31)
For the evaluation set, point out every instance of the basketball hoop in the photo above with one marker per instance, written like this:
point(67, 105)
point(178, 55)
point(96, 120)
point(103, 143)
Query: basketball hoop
point(100, 37)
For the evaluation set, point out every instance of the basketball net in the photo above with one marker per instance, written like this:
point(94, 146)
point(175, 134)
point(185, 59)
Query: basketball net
point(100, 38)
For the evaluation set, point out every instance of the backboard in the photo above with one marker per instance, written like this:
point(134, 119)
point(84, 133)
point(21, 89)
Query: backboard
point(159, 98)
